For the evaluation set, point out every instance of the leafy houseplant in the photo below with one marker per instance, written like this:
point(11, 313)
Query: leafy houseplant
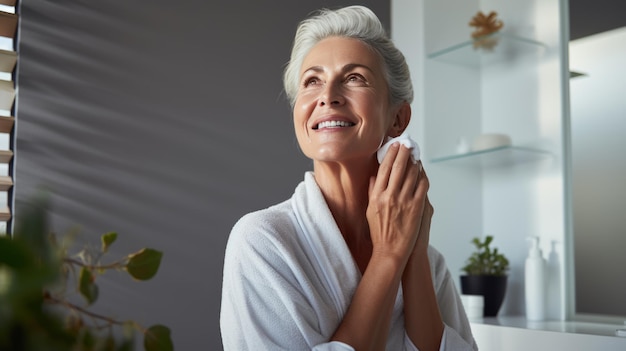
point(486, 274)
point(485, 261)
point(36, 312)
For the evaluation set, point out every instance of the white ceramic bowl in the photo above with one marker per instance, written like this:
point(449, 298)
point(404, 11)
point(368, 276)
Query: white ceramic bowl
point(490, 141)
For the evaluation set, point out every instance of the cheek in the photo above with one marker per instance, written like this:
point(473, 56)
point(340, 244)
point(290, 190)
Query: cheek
point(298, 119)
point(377, 110)
point(301, 116)
point(305, 99)
point(303, 107)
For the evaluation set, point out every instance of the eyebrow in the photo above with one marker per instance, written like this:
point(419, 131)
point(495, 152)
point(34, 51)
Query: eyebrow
point(345, 68)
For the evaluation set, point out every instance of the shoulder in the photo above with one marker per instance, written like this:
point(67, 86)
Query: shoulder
point(263, 230)
point(263, 249)
point(272, 219)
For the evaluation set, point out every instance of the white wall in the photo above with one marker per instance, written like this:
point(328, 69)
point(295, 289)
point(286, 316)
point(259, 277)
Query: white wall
point(525, 100)
point(522, 98)
point(449, 192)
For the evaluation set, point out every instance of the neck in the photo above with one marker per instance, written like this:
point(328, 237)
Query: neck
point(345, 189)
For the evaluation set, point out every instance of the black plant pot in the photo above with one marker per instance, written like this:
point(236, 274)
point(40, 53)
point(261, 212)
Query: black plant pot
point(491, 287)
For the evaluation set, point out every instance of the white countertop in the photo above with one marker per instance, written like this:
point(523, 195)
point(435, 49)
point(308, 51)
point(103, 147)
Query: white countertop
point(519, 334)
point(577, 327)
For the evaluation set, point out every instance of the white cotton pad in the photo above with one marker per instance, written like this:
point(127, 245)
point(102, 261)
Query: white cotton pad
point(403, 139)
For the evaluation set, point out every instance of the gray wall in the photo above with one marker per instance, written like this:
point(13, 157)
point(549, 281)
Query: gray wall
point(164, 121)
point(592, 17)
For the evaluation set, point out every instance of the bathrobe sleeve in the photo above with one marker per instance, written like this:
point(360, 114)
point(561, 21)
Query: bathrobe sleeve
point(457, 334)
point(267, 300)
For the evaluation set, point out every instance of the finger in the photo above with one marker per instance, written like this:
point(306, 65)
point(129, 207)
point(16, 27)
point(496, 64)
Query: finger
point(411, 180)
point(384, 170)
point(422, 185)
point(420, 173)
point(399, 168)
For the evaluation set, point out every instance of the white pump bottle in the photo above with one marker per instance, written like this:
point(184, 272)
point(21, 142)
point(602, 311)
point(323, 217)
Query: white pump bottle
point(535, 282)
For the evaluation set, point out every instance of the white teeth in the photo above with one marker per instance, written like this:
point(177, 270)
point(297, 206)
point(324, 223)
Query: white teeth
point(334, 124)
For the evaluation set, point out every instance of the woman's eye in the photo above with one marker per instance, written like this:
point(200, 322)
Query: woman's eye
point(355, 78)
point(311, 81)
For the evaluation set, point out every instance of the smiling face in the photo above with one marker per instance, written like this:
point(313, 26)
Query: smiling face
point(342, 110)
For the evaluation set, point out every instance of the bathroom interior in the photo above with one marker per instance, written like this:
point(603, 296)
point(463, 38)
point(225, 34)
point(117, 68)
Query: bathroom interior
point(149, 121)
point(555, 99)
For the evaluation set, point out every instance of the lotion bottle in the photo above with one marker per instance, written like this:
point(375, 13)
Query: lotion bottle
point(535, 282)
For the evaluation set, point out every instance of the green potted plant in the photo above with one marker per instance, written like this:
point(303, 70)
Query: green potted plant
point(486, 274)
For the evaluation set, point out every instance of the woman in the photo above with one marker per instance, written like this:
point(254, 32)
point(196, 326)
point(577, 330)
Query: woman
point(345, 263)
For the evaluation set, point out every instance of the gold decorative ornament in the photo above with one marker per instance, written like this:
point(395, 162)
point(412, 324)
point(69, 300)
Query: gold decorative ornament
point(484, 26)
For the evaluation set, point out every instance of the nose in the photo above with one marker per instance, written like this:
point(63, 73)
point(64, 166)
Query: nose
point(331, 95)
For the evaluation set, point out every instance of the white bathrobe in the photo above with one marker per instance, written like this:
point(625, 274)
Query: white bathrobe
point(289, 278)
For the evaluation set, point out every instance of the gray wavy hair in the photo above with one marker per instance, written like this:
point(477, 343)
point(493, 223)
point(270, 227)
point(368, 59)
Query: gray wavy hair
point(357, 22)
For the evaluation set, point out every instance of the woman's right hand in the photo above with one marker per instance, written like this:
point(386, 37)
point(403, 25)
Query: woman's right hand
point(397, 198)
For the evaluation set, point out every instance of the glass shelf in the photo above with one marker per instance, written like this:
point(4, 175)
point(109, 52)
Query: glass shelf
point(507, 48)
point(497, 157)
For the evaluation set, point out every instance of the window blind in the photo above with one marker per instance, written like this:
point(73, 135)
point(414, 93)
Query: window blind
point(9, 19)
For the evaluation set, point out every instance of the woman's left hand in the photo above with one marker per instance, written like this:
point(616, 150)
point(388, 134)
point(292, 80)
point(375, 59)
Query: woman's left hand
point(396, 204)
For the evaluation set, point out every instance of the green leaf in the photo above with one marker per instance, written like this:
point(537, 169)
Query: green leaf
point(14, 254)
point(127, 336)
point(32, 228)
point(488, 240)
point(108, 239)
point(127, 345)
point(144, 264)
point(88, 340)
point(486, 260)
point(158, 338)
point(86, 285)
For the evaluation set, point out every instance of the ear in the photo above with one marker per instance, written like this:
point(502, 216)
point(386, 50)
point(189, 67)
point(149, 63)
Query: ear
point(400, 120)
